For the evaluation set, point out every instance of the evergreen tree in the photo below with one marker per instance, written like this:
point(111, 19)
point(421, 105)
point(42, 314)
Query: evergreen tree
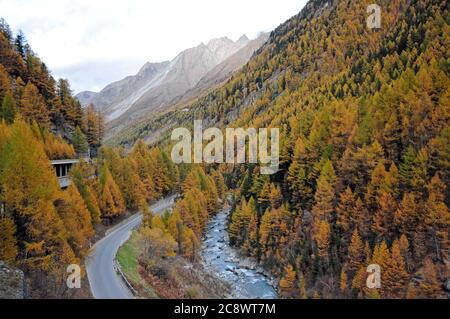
point(346, 214)
point(111, 201)
point(437, 217)
point(343, 282)
point(79, 141)
point(324, 197)
point(80, 175)
point(383, 220)
point(8, 109)
point(20, 43)
point(407, 167)
point(8, 241)
point(322, 237)
point(287, 282)
point(429, 286)
point(407, 216)
point(396, 277)
point(94, 130)
point(5, 85)
point(251, 244)
point(76, 219)
point(33, 107)
point(147, 215)
point(356, 254)
point(297, 175)
point(301, 287)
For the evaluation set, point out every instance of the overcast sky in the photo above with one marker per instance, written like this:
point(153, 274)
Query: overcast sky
point(95, 42)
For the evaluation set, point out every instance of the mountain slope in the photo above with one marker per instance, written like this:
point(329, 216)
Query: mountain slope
point(364, 120)
point(42, 227)
point(179, 74)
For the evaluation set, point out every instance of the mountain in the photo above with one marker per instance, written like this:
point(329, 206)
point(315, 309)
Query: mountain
point(180, 74)
point(115, 94)
point(225, 69)
point(159, 85)
point(86, 97)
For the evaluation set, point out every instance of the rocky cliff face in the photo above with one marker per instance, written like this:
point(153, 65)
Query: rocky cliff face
point(12, 282)
point(225, 69)
point(116, 96)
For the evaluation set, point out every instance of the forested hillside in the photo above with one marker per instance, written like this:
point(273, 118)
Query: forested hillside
point(364, 119)
point(43, 228)
point(365, 151)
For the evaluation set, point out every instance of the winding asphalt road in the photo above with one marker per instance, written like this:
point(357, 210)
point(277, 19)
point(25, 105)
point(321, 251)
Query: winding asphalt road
point(103, 279)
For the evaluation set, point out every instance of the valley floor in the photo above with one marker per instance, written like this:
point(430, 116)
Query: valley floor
point(174, 277)
point(221, 273)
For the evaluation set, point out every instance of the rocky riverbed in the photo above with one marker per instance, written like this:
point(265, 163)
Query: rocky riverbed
point(246, 278)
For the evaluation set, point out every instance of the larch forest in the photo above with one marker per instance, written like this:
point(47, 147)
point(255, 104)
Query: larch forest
point(364, 162)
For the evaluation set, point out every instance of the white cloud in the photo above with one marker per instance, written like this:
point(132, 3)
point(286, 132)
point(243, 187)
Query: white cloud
point(96, 42)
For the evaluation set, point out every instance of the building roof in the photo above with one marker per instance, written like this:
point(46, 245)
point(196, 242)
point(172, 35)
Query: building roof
point(65, 161)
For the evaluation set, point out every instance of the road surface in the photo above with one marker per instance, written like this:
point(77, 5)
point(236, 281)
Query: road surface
point(103, 279)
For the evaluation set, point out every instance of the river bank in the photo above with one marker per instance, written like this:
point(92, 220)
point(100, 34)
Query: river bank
point(247, 279)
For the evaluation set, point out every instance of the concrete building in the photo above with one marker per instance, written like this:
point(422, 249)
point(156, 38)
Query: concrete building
point(62, 168)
